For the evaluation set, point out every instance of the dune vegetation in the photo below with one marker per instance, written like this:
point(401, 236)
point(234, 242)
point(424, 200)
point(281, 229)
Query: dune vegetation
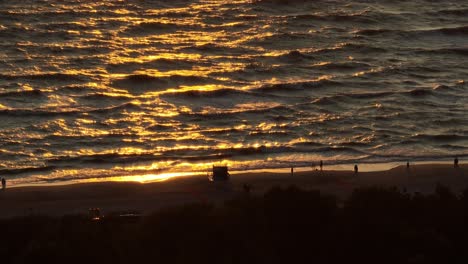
point(285, 225)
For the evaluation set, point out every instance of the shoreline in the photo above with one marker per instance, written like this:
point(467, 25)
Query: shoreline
point(145, 198)
point(152, 178)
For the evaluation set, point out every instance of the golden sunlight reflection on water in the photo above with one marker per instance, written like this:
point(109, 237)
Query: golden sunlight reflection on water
point(152, 90)
point(147, 178)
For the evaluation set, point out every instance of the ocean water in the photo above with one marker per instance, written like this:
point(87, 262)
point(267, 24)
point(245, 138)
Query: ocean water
point(98, 90)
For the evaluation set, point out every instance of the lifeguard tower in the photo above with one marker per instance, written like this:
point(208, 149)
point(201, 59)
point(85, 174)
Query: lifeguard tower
point(219, 173)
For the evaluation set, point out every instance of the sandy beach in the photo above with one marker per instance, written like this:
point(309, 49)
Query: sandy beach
point(149, 197)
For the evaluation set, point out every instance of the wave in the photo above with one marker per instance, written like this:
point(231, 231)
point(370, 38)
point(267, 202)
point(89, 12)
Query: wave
point(61, 77)
point(410, 72)
point(160, 127)
point(440, 138)
point(463, 30)
point(449, 31)
point(297, 86)
point(340, 149)
point(463, 12)
point(372, 95)
point(103, 96)
point(27, 170)
point(449, 122)
point(439, 90)
point(252, 72)
point(444, 51)
point(103, 159)
point(82, 139)
point(455, 147)
point(71, 50)
point(225, 92)
point(333, 99)
point(37, 113)
point(441, 87)
point(374, 32)
point(307, 144)
point(116, 109)
point(176, 156)
point(222, 132)
point(160, 64)
point(23, 112)
point(352, 48)
point(343, 66)
point(275, 38)
point(228, 115)
point(181, 155)
point(52, 26)
point(149, 28)
point(220, 102)
point(326, 100)
point(420, 92)
point(28, 93)
point(362, 17)
point(294, 56)
point(264, 150)
point(308, 147)
point(215, 48)
point(58, 14)
point(142, 83)
point(281, 2)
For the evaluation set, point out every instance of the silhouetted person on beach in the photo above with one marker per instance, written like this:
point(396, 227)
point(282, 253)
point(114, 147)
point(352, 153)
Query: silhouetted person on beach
point(292, 171)
point(455, 162)
point(355, 169)
point(3, 183)
point(407, 164)
point(321, 165)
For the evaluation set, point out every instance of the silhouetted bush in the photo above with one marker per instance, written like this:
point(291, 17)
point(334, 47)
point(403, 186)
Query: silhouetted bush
point(285, 225)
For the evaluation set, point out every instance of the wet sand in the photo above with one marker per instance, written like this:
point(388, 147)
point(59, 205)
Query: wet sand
point(149, 197)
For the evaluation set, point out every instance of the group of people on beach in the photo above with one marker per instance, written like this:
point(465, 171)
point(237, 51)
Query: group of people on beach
point(321, 168)
point(356, 169)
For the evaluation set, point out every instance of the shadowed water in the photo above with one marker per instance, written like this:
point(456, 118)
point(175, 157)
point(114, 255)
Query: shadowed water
point(94, 89)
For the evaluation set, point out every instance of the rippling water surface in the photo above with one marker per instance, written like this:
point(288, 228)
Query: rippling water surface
point(97, 89)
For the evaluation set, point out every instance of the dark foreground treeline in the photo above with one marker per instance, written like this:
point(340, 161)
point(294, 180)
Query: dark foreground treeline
point(374, 225)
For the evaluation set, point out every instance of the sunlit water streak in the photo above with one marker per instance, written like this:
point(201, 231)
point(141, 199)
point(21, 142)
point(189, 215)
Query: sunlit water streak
point(106, 89)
